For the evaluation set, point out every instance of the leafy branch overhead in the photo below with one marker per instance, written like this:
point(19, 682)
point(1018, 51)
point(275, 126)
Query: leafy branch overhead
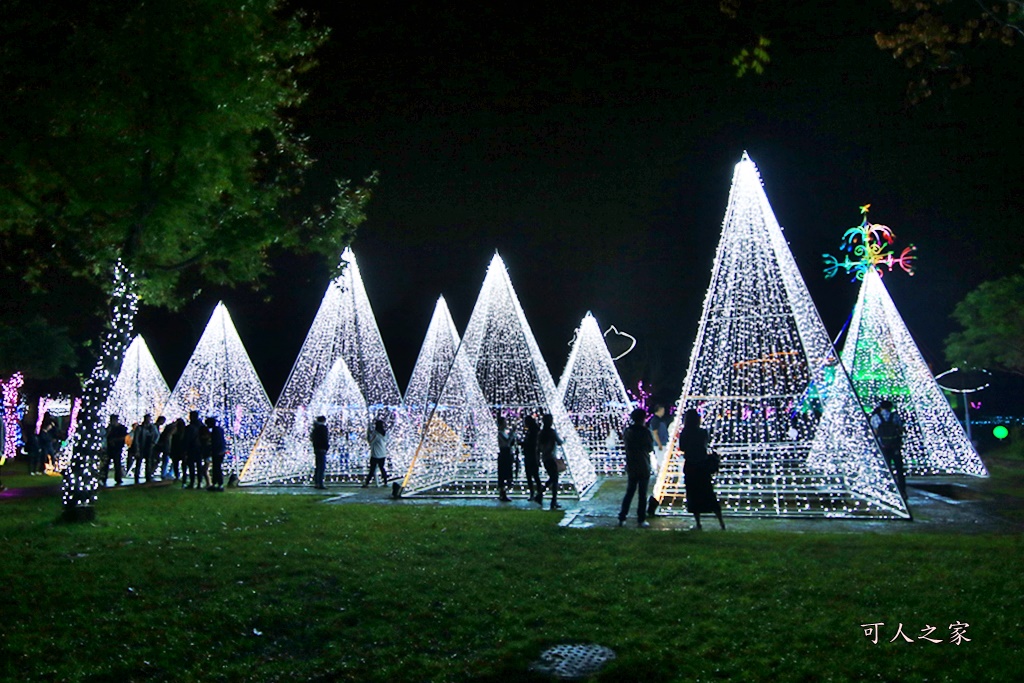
point(160, 132)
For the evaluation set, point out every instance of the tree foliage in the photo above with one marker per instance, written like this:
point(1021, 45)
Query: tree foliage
point(993, 320)
point(158, 132)
point(934, 38)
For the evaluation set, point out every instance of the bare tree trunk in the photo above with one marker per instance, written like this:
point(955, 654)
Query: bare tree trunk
point(81, 480)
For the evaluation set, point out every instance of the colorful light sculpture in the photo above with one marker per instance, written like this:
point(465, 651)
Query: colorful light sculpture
point(446, 437)
point(885, 363)
point(219, 381)
point(868, 244)
point(760, 346)
point(140, 387)
point(344, 327)
point(514, 379)
point(595, 398)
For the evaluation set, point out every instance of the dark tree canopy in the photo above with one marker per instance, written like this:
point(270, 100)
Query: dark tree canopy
point(993, 320)
point(158, 132)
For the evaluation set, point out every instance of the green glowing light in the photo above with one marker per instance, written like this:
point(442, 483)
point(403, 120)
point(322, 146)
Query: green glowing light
point(1000, 432)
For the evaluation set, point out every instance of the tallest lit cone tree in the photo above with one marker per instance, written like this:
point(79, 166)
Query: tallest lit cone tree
point(155, 158)
point(758, 371)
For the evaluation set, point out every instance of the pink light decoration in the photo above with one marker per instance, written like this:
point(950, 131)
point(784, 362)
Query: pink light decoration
point(10, 397)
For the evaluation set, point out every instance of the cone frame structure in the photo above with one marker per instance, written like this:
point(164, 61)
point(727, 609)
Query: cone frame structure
point(885, 363)
point(139, 388)
point(446, 430)
point(595, 399)
point(344, 327)
point(780, 410)
point(220, 381)
point(499, 348)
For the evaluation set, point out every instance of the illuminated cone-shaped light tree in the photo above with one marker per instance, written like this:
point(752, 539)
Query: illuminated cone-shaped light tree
point(140, 388)
point(886, 364)
point(595, 398)
point(447, 433)
point(344, 327)
point(514, 379)
point(758, 371)
point(219, 381)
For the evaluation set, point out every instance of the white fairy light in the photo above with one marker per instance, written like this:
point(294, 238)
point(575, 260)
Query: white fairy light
point(219, 381)
point(758, 373)
point(446, 438)
point(81, 481)
point(140, 387)
point(595, 398)
point(290, 461)
point(344, 327)
point(885, 363)
point(514, 380)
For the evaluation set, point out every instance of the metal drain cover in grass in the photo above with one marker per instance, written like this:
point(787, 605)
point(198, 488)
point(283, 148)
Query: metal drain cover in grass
point(573, 662)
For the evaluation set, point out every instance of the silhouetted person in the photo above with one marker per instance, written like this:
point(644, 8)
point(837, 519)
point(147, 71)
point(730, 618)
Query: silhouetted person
point(193, 451)
point(378, 452)
point(639, 442)
point(698, 467)
point(506, 438)
point(321, 440)
point(143, 441)
point(531, 460)
point(116, 433)
point(218, 448)
point(547, 442)
point(889, 430)
point(178, 449)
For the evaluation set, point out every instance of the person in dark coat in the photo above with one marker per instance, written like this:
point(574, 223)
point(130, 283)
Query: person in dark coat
point(698, 468)
point(321, 440)
point(177, 445)
point(218, 448)
point(889, 430)
point(506, 438)
point(531, 461)
point(548, 441)
point(193, 451)
point(116, 433)
point(639, 443)
point(143, 441)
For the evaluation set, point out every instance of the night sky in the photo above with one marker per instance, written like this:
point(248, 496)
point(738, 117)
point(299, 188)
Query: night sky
point(594, 150)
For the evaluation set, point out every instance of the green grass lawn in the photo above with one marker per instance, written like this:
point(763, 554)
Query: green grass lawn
point(172, 585)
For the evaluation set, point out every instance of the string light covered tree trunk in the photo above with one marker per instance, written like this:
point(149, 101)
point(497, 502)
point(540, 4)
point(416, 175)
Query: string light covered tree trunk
point(446, 436)
point(140, 387)
point(595, 398)
point(81, 480)
point(344, 327)
point(220, 381)
point(132, 138)
point(761, 369)
point(885, 363)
